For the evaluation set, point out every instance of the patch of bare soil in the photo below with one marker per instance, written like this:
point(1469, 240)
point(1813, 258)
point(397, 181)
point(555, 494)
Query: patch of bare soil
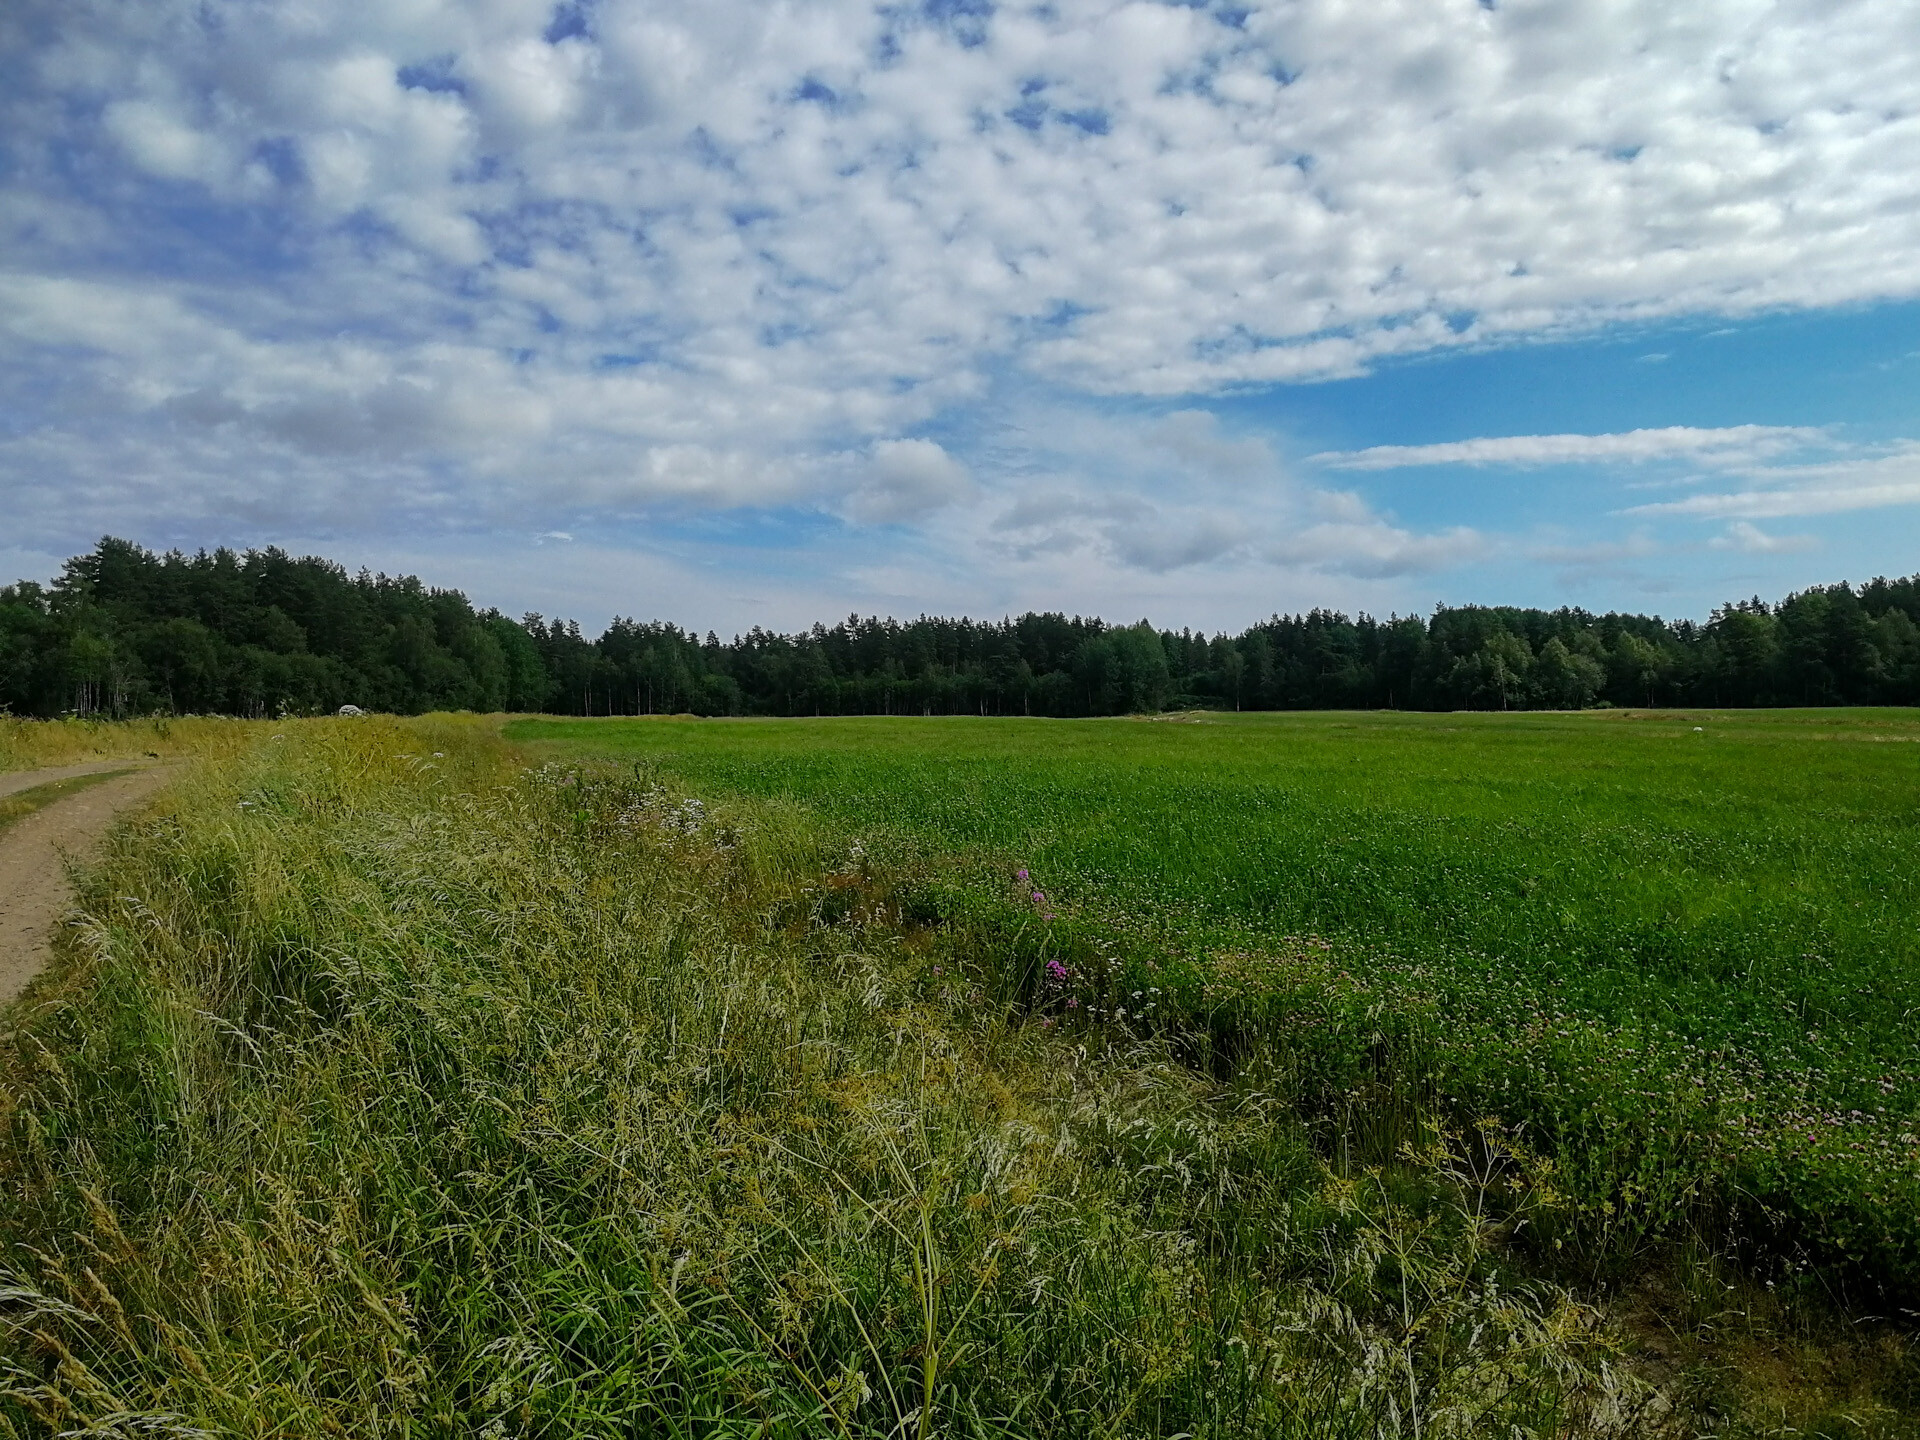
point(34, 851)
point(16, 781)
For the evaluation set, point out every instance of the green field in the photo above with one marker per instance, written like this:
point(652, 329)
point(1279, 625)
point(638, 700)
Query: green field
point(1613, 853)
point(1368, 1077)
point(1681, 948)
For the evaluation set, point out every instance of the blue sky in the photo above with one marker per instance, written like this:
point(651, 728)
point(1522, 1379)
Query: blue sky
point(740, 313)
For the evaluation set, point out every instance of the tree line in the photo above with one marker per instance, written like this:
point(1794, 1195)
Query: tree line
point(126, 631)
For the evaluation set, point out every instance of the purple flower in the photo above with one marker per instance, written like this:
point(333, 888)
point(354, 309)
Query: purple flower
point(1038, 898)
point(1021, 876)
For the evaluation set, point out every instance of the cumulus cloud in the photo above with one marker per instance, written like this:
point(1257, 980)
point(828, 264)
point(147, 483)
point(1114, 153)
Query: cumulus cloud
point(160, 143)
point(1176, 492)
point(1147, 197)
point(1128, 531)
point(1338, 531)
point(474, 264)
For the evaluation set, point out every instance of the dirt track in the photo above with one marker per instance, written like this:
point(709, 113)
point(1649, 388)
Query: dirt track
point(33, 851)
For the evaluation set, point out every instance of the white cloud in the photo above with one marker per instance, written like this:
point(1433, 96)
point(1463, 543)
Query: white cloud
point(160, 143)
point(527, 87)
point(1750, 539)
point(1849, 482)
point(1732, 445)
point(1208, 197)
point(345, 263)
point(1110, 492)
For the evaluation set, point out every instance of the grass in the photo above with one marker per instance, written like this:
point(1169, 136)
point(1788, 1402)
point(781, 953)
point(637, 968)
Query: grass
point(392, 1087)
point(1610, 850)
point(33, 744)
point(392, 1084)
point(1666, 963)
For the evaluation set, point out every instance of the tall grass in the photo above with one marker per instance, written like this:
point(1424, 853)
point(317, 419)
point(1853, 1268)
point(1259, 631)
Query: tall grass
point(391, 1087)
point(31, 744)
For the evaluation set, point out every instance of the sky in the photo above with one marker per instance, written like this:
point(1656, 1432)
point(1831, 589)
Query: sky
point(737, 312)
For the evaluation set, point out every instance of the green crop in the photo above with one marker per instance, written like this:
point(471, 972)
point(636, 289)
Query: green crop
point(1675, 955)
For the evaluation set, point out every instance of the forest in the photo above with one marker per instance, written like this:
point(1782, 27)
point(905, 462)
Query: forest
point(125, 631)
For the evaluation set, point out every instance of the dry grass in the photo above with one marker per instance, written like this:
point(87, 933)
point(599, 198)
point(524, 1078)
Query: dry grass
point(34, 744)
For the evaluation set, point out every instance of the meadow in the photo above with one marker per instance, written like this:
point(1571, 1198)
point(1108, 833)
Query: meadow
point(702, 1079)
point(32, 744)
point(1674, 952)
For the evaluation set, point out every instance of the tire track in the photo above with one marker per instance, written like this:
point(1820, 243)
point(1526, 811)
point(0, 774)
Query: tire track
point(34, 887)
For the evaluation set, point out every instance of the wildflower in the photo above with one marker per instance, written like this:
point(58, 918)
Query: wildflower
point(1038, 898)
point(1021, 876)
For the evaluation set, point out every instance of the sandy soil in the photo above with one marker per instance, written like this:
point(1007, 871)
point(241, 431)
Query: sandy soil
point(33, 854)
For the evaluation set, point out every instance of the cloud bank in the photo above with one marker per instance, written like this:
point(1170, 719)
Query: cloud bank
point(507, 264)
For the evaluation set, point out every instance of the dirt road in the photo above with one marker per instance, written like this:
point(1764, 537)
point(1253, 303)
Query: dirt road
point(33, 851)
point(16, 781)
